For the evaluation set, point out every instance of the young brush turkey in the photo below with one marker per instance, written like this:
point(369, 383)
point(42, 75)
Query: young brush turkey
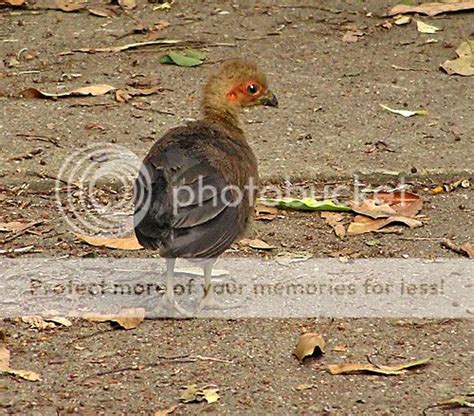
point(196, 189)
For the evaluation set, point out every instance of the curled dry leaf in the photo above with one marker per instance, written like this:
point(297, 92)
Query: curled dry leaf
point(256, 244)
point(127, 4)
point(432, 9)
point(94, 90)
point(310, 344)
point(13, 2)
point(125, 243)
point(387, 370)
point(265, 213)
point(124, 95)
point(467, 249)
point(70, 5)
point(5, 363)
point(192, 393)
point(37, 322)
point(286, 258)
point(383, 209)
point(465, 400)
point(423, 27)
point(464, 64)
point(14, 226)
point(405, 113)
point(334, 220)
point(127, 318)
point(402, 20)
point(165, 412)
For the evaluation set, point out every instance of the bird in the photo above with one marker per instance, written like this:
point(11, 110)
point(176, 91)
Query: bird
point(196, 188)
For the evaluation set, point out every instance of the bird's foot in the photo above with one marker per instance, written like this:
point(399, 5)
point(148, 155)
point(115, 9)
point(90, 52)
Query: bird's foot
point(169, 308)
point(209, 302)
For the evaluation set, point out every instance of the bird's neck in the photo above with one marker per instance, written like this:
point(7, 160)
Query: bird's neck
point(226, 116)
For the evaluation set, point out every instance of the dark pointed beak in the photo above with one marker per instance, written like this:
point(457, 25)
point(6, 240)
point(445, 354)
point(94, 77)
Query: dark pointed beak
point(269, 99)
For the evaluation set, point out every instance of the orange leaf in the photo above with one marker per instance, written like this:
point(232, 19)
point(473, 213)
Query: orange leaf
point(125, 243)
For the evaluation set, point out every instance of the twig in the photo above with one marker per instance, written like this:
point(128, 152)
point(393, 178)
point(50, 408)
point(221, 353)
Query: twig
point(39, 138)
point(19, 250)
point(173, 359)
point(20, 233)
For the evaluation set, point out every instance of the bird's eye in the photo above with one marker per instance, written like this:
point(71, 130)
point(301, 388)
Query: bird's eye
point(252, 89)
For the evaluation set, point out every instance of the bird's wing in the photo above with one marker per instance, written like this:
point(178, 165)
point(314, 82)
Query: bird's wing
point(187, 208)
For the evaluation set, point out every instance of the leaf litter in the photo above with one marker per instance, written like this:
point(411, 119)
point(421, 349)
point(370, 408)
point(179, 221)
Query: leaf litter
point(192, 394)
point(464, 64)
point(432, 9)
point(383, 209)
point(423, 27)
point(387, 370)
point(128, 318)
point(309, 345)
point(188, 58)
point(305, 204)
point(5, 363)
point(405, 113)
point(123, 243)
point(93, 90)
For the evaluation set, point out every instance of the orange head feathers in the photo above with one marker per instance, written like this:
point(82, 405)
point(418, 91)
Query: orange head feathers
point(236, 84)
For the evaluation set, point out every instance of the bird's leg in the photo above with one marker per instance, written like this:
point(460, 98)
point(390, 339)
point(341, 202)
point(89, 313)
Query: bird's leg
point(169, 303)
point(209, 301)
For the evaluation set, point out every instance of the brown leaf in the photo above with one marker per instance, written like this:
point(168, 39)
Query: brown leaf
point(333, 219)
point(4, 353)
point(372, 209)
point(362, 224)
point(94, 90)
point(403, 203)
point(387, 370)
point(125, 94)
point(432, 9)
point(125, 243)
point(13, 2)
point(309, 344)
point(37, 322)
point(165, 412)
point(191, 394)
point(351, 36)
point(256, 244)
point(100, 12)
point(14, 226)
point(265, 213)
point(340, 348)
point(127, 4)
point(127, 318)
point(5, 363)
point(464, 65)
point(70, 5)
point(468, 248)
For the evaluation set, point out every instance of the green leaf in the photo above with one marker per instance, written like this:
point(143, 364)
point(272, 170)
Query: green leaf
point(306, 204)
point(193, 53)
point(188, 59)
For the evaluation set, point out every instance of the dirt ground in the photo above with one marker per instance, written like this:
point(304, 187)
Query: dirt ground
point(329, 127)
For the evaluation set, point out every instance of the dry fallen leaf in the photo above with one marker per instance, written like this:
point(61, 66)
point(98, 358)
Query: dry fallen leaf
point(191, 394)
point(402, 20)
point(94, 90)
point(352, 36)
point(125, 243)
point(432, 9)
point(127, 318)
point(165, 412)
point(127, 4)
point(14, 226)
point(309, 344)
point(70, 5)
point(334, 220)
point(286, 258)
point(464, 64)
point(125, 94)
point(423, 27)
point(37, 322)
point(340, 348)
point(256, 244)
point(5, 363)
point(265, 213)
point(362, 224)
point(467, 249)
point(383, 209)
point(387, 370)
point(13, 2)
